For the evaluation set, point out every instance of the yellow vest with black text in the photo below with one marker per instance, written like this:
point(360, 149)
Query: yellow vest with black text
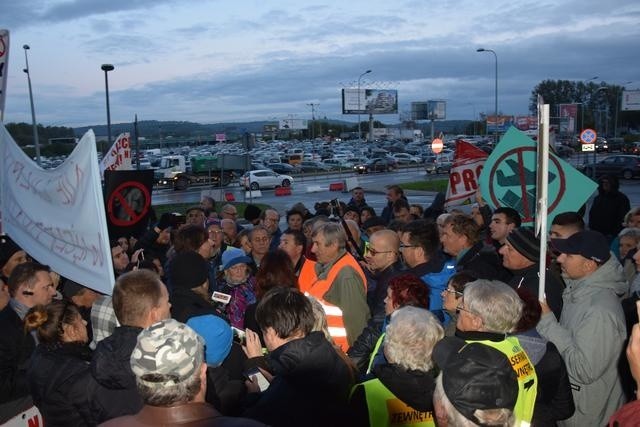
point(527, 378)
point(386, 410)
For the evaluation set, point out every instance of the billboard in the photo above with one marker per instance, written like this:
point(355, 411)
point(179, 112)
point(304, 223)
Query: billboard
point(568, 117)
point(502, 123)
point(369, 101)
point(527, 122)
point(292, 124)
point(630, 100)
point(419, 111)
point(437, 110)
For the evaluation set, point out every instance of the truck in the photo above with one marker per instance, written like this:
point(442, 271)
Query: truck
point(205, 170)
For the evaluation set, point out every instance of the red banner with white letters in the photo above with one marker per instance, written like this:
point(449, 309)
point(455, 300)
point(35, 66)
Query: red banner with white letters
point(463, 178)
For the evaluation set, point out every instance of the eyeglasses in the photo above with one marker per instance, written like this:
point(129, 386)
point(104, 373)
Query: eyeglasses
point(231, 213)
point(368, 250)
point(453, 291)
point(402, 246)
point(461, 307)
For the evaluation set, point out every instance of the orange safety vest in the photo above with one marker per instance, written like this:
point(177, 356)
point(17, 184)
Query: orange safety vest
point(310, 284)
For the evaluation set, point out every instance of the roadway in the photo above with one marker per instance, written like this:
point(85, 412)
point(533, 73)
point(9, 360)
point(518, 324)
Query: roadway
point(312, 189)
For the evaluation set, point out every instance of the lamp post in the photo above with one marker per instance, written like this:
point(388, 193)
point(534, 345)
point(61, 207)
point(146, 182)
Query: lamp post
point(496, 89)
point(359, 125)
point(36, 141)
point(106, 68)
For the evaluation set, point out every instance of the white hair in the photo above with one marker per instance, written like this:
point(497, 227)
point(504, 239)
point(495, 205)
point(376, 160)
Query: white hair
point(495, 302)
point(410, 338)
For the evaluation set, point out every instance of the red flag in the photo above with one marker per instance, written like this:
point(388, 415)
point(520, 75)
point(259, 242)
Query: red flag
point(463, 178)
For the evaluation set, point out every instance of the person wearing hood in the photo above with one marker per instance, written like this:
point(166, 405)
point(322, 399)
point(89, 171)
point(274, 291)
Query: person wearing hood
point(436, 208)
point(408, 379)
point(609, 208)
point(554, 401)
point(591, 331)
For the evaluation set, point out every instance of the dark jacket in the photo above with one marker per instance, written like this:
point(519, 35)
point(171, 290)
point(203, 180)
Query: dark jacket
point(111, 369)
point(311, 385)
point(483, 261)
point(608, 209)
point(554, 401)
point(16, 348)
point(415, 388)
point(186, 304)
point(190, 414)
point(61, 384)
point(528, 278)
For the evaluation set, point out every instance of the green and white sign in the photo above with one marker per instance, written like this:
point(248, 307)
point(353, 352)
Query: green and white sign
point(509, 179)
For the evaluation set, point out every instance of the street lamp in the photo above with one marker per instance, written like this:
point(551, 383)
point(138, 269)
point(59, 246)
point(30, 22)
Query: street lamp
point(36, 141)
point(359, 125)
point(496, 87)
point(106, 68)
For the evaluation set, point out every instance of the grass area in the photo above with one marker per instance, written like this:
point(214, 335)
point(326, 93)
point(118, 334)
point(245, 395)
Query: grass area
point(430, 185)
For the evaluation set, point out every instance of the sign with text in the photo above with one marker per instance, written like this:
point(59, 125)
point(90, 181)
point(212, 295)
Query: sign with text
point(463, 177)
point(118, 158)
point(630, 100)
point(58, 215)
point(293, 124)
point(509, 179)
point(369, 101)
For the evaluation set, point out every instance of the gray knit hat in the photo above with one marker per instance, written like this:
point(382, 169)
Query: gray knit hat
point(524, 240)
point(166, 354)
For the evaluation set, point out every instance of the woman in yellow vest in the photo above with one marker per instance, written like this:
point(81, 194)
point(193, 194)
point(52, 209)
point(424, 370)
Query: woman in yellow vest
point(401, 394)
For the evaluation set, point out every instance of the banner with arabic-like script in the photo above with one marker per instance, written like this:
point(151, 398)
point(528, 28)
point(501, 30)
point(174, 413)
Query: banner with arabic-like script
point(57, 216)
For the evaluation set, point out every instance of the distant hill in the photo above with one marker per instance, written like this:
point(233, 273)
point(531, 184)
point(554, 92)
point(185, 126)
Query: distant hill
point(153, 129)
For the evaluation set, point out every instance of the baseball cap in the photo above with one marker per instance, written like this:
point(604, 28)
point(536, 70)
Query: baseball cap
point(589, 244)
point(166, 354)
point(475, 376)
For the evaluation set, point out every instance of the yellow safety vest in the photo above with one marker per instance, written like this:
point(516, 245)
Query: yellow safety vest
point(527, 378)
point(374, 352)
point(386, 410)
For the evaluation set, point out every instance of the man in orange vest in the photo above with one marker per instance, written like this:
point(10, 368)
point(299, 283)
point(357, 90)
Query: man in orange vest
point(338, 282)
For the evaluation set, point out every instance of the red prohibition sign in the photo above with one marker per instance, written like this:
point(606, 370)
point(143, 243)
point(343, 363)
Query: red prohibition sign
point(134, 216)
point(527, 210)
point(3, 47)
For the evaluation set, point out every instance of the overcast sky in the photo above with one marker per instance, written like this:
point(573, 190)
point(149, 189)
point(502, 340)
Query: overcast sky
point(218, 61)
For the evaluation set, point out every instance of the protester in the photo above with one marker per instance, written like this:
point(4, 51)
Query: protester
point(407, 379)
point(488, 311)
point(338, 282)
point(239, 284)
point(451, 296)
point(311, 382)
point(591, 330)
point(170, 373)
point(139, 300)
point(293, 243)
point(608, 208)
point(29, 285)
point(476, 386)
point(59, 377)
point(554, 401)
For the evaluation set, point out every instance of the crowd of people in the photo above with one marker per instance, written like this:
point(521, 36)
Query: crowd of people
point(412, 316)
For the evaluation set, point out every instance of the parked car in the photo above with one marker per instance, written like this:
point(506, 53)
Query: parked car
point(406, 159)
point(625, 166)
point(284, 168)
point(313, 166)
point(265, 178)
point(334, 164)
point(375, 165)
point(438, 166)
point(631, 147)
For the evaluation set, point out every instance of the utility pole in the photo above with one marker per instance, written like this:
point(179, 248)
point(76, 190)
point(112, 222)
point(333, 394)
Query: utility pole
point(313, 117)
